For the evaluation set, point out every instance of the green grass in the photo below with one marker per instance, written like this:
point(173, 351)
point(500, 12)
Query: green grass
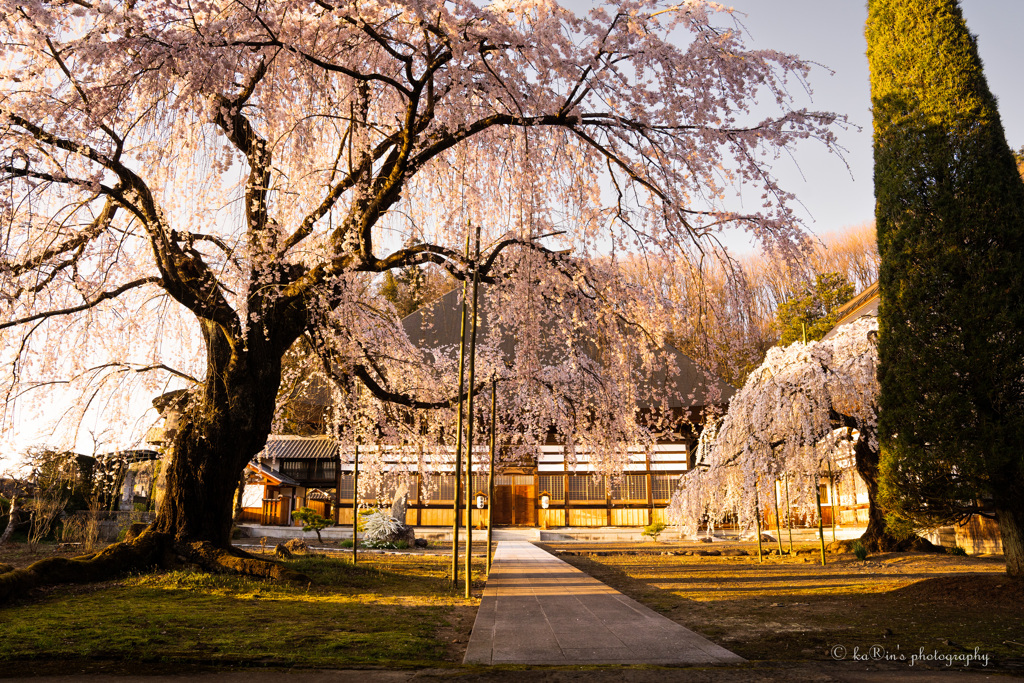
point(393, 611)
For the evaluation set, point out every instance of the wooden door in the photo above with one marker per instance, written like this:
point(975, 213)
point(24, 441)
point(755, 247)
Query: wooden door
point(503, 507)
point(525, 507)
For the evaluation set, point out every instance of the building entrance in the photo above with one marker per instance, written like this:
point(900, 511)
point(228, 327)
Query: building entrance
point(515, 505)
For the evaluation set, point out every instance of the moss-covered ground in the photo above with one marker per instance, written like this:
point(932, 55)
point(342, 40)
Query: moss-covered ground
point(393, 611)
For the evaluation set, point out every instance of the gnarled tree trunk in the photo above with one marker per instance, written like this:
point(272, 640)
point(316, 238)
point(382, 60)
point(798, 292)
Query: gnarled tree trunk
point(225, 423)
point(875, 538)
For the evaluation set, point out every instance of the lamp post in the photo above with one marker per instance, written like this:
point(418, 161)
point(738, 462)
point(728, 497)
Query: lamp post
point(481, 504)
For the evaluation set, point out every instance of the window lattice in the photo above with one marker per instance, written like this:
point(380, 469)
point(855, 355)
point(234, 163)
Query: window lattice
point(479, 483)
point(346, 487)
point(440, 487)
point(586, 487)
point(630, 487)
point(554, 485)
point(662, 486)
point(321, 470)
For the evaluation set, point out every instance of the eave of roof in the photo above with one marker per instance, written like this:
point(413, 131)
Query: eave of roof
point(279, 478)
point(865, 303)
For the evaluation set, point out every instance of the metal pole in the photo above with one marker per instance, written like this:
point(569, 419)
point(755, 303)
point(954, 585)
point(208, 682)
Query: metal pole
point(490, 474)
point(832, 498)
point(458, 439)
point(337, 487)
point(821, 531)
point(355, 507)
point(778, 524)
point(757, 515)
point(469, 428)
point(789, 516)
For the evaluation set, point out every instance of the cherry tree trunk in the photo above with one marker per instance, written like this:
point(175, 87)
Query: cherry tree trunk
point(224, 424)
point(11, 520)
point(875, 538)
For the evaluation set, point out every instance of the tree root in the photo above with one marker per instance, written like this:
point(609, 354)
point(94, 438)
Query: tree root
point(234, 561)
point(886, 543)
point(149, 549)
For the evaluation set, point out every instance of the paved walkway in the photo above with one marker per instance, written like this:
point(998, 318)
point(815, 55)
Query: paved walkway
point(537, 609)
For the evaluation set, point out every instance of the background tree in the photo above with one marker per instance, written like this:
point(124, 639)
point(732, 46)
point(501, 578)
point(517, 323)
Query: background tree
point(414, 287)
point(724, 312)
point(810, 315)
point(188, 189)
point(12, 494)
point(950, 216)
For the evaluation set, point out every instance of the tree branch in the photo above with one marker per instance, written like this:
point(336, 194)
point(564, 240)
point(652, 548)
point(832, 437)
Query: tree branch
point(114, 293)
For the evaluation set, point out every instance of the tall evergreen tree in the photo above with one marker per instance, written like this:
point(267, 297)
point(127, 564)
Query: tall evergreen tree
point(950, 219)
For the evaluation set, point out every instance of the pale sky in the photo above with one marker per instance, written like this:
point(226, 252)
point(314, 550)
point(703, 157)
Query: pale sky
point(831, 32)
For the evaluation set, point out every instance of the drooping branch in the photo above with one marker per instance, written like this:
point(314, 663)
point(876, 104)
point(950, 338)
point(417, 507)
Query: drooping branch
point(73, 244)
point(241, 133)
point(184, 275)
point(100, 298)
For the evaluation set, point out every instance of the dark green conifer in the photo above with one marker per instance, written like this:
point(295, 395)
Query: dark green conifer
point(950, 220)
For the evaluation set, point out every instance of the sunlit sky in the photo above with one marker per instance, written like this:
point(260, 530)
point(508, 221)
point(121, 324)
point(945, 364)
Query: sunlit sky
point(831, 33)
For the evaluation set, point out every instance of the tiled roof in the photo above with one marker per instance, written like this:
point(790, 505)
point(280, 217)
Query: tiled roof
point(299, 447)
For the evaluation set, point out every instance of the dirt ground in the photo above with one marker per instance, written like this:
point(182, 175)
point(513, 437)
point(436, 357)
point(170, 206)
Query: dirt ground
point(936, 611)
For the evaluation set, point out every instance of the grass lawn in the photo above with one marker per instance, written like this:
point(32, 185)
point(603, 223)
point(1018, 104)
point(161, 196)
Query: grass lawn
point(394, 611)
point(791, 608)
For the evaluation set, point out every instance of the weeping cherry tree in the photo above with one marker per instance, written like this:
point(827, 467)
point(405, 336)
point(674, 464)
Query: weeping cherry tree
point(188, 188)
point(805, 408)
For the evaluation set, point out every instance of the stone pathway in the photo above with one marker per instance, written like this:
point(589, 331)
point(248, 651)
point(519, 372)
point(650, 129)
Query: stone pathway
point(537, 609)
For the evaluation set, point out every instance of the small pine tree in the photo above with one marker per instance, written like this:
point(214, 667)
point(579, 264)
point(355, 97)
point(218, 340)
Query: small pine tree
point(312, 521)
point(653, 530)
point(950, 220)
